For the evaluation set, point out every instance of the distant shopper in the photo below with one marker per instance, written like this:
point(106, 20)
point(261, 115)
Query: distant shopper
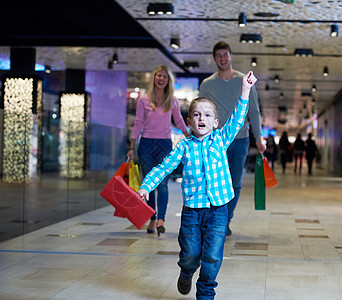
point(298, 147)
point(271, 150)
point(207, 188)
point(284, 146)
point(153, 118)
point(310, 152)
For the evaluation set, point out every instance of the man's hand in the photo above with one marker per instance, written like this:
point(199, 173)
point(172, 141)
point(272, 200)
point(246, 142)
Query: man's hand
point(260, 146)
point(144, 193)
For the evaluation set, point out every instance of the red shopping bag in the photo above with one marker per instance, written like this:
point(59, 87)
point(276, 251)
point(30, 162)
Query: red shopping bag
point(123, 172)
point(127, 202)
point(270, 180)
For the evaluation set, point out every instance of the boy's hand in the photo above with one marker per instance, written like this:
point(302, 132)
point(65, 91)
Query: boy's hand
point(144, 193)
point(247, 82)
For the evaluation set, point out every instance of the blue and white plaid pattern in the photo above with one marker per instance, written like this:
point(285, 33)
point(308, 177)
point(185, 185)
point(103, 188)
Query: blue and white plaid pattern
point(206, 176)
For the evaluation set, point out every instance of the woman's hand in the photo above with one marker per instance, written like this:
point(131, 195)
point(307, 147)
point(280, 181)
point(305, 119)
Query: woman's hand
point(130, 154)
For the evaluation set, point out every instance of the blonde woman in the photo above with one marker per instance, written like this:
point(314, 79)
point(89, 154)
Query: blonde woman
point(153, 122)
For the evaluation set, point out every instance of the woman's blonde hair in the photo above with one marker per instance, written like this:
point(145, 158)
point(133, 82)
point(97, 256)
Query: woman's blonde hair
point(168, 90)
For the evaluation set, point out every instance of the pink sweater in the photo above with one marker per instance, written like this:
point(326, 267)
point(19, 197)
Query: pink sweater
point(156, 124)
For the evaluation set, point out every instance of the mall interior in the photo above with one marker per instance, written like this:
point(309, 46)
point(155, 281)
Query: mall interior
point(69, 90)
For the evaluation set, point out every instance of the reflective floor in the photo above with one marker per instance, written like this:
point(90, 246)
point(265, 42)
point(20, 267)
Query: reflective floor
point(292, 250)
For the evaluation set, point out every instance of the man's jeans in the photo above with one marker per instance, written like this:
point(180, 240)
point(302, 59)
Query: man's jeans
point(151, 152)
point(201, 238)
point(237, 154)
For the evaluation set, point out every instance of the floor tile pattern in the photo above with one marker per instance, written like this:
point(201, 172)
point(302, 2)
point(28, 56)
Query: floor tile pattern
point(291, 250)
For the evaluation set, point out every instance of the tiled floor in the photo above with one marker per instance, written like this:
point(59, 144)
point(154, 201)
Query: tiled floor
point(292, 250)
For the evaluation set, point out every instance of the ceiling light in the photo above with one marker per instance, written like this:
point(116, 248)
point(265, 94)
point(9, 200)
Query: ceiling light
point(110, 65)
point(334, 30)
point(314, 88)
point(47, 69)
point(281, 95)
point(325, 71)
point(115, 58)
point(303, 52)
point(174, 43)
point(242, 20)
point(267, 87)
point(254, 62)
point(191, 64)
point(160, 8)
point(250, 38)
point(276, 79)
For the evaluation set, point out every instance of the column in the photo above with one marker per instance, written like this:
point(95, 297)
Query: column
point(74, 114)
point(21, 109)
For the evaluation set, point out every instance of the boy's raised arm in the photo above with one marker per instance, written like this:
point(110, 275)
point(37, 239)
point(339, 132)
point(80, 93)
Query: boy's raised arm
point(247, 82)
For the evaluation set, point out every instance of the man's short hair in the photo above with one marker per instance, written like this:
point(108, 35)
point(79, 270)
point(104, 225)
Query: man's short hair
point(202, 99)
point(221, 45)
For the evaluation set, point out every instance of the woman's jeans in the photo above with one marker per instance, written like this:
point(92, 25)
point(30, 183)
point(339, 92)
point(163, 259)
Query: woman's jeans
point(201, 239)
point(151, 152)
point(237, 154)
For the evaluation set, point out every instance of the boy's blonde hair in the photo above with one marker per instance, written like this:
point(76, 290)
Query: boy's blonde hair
point(168, 90)
point(201, 100)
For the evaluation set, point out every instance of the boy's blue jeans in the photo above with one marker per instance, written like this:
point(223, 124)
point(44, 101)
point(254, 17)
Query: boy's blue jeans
point(201, 239)
point(151, 152)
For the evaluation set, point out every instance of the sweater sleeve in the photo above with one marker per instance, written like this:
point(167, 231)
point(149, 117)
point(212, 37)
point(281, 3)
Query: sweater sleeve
point(254, 114)
point(177, 116)
point(139, 119)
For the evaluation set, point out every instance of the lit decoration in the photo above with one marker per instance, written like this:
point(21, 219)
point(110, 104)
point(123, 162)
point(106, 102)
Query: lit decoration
point(37, 151)
point(20, 100)
point(72, 137)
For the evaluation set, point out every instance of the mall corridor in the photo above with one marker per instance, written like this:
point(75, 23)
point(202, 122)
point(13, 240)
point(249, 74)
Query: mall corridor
point(292, 250)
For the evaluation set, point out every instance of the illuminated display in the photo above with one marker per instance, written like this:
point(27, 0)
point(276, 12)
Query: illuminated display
point(18, 102)
point(72, 110)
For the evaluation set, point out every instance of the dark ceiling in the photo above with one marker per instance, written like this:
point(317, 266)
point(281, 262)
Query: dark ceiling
point(85, 34)
point(74, 23)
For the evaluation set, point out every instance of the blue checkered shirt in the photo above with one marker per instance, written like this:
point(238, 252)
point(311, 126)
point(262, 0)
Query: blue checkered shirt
point(206, 177)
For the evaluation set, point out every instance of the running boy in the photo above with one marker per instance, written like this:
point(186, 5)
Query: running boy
point(206, 188)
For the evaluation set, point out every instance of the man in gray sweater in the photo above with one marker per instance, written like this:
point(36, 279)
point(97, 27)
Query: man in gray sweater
point(224, 87)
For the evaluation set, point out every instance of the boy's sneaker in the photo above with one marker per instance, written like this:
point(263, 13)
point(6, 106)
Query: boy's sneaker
point(184, 284)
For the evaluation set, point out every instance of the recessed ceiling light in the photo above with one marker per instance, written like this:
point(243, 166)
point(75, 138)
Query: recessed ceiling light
point(250, 38)
point(303, 52)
